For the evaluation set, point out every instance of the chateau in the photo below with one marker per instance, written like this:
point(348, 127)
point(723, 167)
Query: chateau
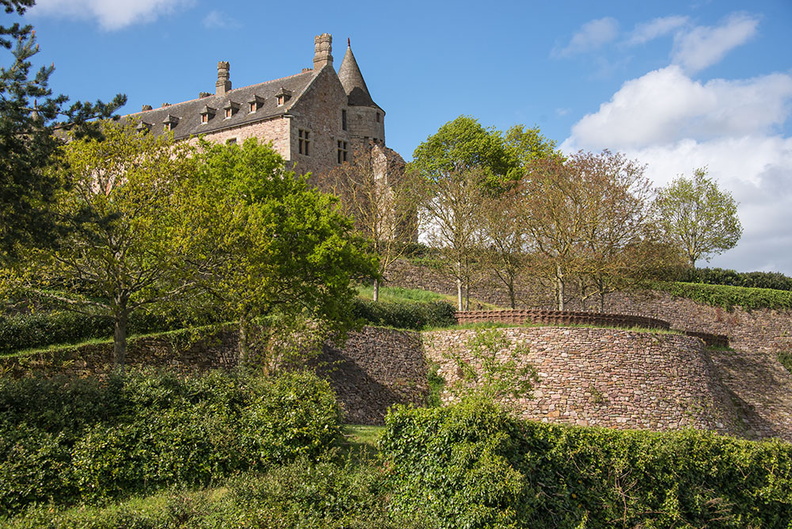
point(315, 119)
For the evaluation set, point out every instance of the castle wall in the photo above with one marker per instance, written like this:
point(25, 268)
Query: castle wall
point(319, 112)
point(274, 131)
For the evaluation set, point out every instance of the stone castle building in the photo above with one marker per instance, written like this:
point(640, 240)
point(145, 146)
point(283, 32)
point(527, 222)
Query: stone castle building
point(316, 119)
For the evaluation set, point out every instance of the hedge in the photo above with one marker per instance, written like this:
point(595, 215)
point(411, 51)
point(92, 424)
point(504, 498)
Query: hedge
point(65, 440)
point(720, 276)
point(729, 297)
point(404, 314)
point(471, 465)
point(54, 328)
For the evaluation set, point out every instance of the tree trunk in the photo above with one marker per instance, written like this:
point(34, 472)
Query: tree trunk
point(243, 348)
point(560, 290)
point(376, 290)
point(120, 338)
point(459, 285)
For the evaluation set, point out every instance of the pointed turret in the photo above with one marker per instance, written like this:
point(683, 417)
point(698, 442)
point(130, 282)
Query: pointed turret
point(352, 81)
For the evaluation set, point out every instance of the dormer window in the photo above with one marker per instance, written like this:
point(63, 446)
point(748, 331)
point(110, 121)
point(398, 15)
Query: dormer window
point(207, 113)
point(256, 103)
point(230, 109)
point(170, 122)
point(143, 127)
point(282, 96)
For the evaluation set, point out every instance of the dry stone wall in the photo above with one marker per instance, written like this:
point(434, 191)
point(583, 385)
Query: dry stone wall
point(608, 377)
point(599, 377)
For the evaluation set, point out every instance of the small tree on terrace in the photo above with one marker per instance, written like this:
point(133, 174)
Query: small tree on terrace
point(274, 250)
point(457, 166)
point(120, 250)
point(615, 207)
point(697, 216)
point(555, 212)
point(376, 192)
point(504, 237)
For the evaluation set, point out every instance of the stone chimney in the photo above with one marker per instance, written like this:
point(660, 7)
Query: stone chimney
point(223, 83)
point(323, 47)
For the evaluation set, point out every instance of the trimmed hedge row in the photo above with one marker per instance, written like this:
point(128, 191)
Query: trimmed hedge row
point(471, 465)
point(55, 328)
point(728, 297)
point(720, 276)
point(405, 315)
point(66, 440)
point(50, 328)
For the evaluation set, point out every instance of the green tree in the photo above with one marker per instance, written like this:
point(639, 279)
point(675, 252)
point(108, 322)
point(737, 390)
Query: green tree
point(697, 216)
point(273, 249)
point(29, 116)
point(526, 145)
point(120, 249)
point(456, 167)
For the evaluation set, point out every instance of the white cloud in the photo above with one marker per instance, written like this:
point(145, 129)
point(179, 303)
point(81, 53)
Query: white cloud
point(111, 15)
point(666, 106)
point(705, 46)
point(756, 170)
point(675, 124)
point(591, 36)
point(219, 20)
point(656, 28)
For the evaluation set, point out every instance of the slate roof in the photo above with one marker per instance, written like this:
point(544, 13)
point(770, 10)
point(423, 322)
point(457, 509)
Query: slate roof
point(188, 113)
point(353, 82)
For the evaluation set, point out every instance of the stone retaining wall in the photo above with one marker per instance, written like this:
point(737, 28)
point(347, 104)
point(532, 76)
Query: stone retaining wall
point(604, 377)
point(609, 377)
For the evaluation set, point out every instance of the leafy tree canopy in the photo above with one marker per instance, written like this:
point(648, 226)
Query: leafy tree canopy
point(698, 217)
point(463, 145)
point(271, 246)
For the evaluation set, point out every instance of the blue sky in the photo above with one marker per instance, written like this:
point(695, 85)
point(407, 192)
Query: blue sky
point(675, 84)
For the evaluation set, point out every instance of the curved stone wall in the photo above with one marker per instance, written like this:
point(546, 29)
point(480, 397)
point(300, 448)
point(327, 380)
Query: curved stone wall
point(610, 377)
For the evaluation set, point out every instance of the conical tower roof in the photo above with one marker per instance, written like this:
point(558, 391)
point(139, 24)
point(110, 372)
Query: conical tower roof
point(352, 81)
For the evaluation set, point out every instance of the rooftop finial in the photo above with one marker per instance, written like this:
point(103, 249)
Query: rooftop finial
point(349, 42)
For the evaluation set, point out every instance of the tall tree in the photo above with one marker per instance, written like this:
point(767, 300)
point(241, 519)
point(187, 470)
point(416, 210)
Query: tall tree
point(29, 115)
point(457, 165)
point(697, 216)
point(615, 198)
point(273, 249)
point(555, 212)
point(374, 189)
point(120, 250)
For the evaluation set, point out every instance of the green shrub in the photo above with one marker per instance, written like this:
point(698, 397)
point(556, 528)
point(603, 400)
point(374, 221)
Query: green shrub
point(785, 357)
point(404, 314)
point(471, 465)
point(719, 276)
point(84, 439)
point(729, 297)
